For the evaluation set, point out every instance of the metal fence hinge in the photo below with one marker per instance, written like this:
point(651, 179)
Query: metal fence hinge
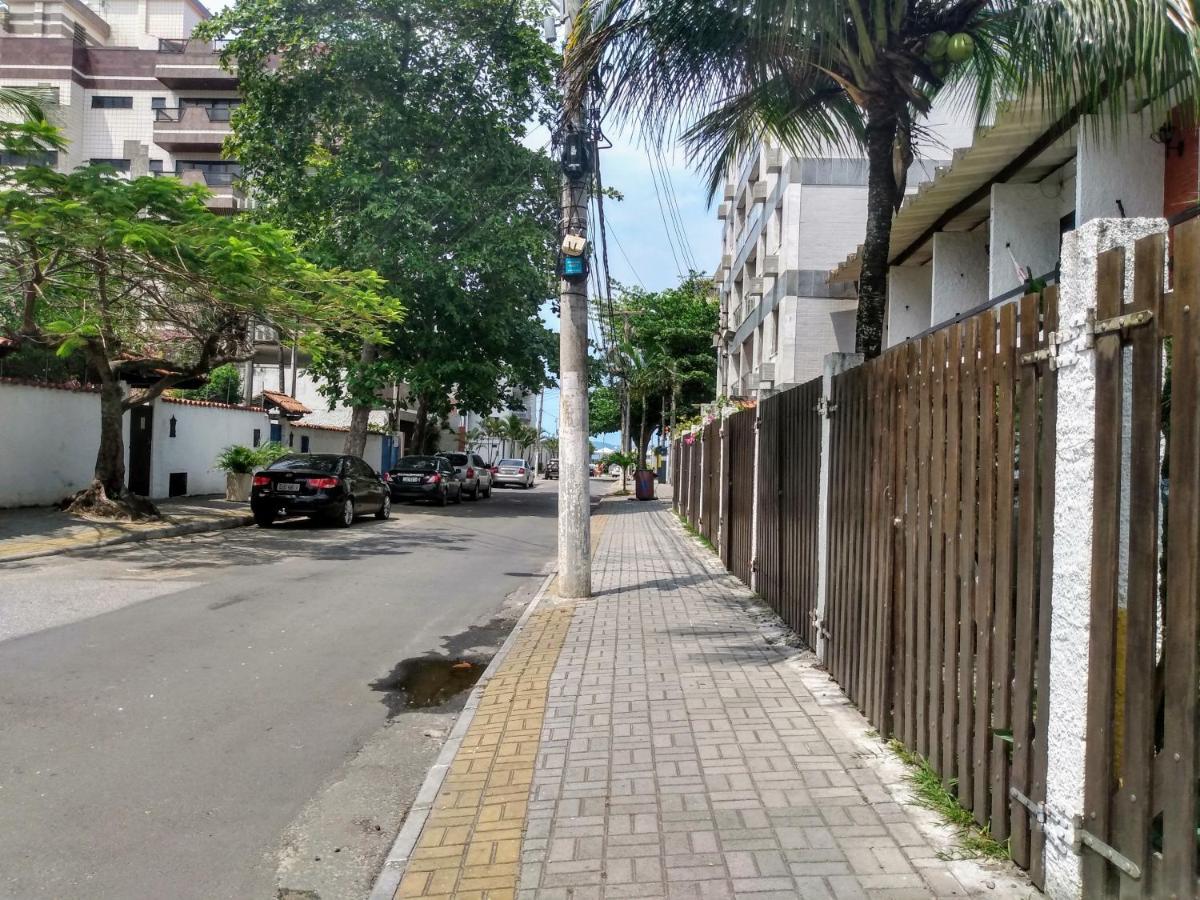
point(1115, 324)
point(1082, 838)
point(819, 625)
point(826, 407)
point(1038, 810)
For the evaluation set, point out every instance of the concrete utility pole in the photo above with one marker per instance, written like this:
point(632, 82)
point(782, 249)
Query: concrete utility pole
point(574, 504)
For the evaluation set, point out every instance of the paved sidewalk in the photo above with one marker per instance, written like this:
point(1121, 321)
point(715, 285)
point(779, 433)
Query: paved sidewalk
point(681, 754)
point(41, 531)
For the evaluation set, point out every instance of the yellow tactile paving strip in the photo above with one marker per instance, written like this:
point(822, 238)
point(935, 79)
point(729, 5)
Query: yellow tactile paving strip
point(471, 845)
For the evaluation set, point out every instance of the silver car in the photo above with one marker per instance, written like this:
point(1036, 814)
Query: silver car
point(514, 472)
point(474, 473)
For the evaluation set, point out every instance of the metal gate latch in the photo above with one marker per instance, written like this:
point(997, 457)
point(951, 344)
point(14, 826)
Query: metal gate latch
point(1082, 838)
point(826, 407)
point(1037, 809)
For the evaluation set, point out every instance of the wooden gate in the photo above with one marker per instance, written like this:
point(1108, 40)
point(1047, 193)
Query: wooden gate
point(1140, 792)
point(941, 514)
point(737, 545)
point(789, 486)
point(710, 513)
point(695, 450)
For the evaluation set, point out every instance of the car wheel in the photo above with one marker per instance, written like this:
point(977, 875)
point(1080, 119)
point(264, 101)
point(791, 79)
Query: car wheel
point(344, 517)
point(385, 509)
point(474, 495)
point(487, 493)
point(443, 498)
point(264, 519)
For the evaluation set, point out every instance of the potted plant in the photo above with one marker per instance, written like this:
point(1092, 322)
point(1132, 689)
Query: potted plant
point(239, 463)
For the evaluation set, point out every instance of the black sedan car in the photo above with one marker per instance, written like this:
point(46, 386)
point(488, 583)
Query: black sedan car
point(431, 478)
point(337, 488)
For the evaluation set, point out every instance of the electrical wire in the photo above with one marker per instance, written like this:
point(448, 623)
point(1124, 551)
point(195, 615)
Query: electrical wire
point(673, 206)
point(663, 214)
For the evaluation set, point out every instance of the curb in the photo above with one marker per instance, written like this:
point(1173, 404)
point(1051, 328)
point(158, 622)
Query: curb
point(133, 537)
point(388, 880)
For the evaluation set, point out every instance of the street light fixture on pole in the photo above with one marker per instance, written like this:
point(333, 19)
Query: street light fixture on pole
point(574, 503)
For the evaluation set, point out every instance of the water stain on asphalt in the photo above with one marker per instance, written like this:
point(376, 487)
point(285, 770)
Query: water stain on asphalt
point(426, 681)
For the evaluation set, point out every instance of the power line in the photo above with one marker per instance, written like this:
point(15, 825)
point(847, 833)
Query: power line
point(663, 213)
point(673, 205)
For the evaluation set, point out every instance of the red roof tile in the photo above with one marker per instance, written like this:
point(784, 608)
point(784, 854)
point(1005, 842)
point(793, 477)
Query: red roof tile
point(289, 405)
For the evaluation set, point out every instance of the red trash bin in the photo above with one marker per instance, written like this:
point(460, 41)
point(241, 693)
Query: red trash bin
point(643, 484)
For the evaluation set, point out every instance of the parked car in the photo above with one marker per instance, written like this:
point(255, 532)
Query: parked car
point(514, 472)
point(429, 478)
point(551, 469)
point(475, 474)
point(337, 488)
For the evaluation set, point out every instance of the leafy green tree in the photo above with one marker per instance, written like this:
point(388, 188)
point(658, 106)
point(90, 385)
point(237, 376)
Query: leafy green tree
point(224, 386)
point(861, 75)
point(151, 288)
point(387, 134)
point(665, 355)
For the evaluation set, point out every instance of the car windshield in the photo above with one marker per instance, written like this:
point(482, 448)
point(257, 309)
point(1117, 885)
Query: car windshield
point(307, 463)
point(512, 462)
point(456, 459)
point(417, 464)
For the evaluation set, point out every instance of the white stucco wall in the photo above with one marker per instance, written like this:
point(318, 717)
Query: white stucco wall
point(48, 443)
point(1024, 227)
point(910, 301)
point(324, 440)
point(832, 223)
point(1070, 620)
point(960, 273)
point(1118, 163)
point(201, 432)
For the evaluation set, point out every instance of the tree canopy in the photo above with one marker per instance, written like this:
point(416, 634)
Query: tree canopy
point(859, 76)
point(665, 356)
point(151, 288)
point(388, 133)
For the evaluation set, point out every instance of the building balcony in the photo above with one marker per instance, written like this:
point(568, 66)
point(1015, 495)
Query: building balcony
point(774, 158)
point(185, 64)
point(191, 129)
point(225, 199)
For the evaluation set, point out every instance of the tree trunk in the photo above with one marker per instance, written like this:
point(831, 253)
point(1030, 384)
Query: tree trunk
point(110, 458)
point(356, 440)
point(641, 463)
point(881, 207)
point(107, 497)
point(421, 427)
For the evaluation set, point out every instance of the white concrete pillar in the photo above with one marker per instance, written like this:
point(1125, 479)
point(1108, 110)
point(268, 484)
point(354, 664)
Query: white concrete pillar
point(835, 364)
point(1119, 170)
point(960, 273)
point(910, 303)
point(1070, 620)
point(1024, 232)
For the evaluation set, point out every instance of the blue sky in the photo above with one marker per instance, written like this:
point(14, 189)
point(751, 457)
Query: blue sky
point(640, 250)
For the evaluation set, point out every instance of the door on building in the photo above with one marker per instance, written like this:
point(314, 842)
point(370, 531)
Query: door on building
point(141, 433)
point(389, 454)
point(276, 433)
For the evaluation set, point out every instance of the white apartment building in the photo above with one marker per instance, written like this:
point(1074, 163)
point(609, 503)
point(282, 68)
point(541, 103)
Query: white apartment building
point(127, 86)
point(788, 221)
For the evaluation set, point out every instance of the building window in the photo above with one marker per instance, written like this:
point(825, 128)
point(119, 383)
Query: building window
point(158, 102)
point(156, 166)
point(216, 172)
point(46, 94)
point(121, 165)
point(218, 109)
point(106, 102)
point(257, 437)
point(46, 158)
point(304, 443)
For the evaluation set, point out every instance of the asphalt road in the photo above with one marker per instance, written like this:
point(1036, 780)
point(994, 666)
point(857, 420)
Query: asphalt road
point(211, 717)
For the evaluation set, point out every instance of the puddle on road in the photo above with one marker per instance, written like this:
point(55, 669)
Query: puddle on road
point(426, 681)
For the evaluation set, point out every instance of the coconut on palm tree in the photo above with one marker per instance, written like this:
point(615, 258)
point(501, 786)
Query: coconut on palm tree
point(860, 75)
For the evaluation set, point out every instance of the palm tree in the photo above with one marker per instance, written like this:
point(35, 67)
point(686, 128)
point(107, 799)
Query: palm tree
point(859, 76)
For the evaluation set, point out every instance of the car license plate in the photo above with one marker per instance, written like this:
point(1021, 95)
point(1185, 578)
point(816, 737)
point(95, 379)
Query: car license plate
point(413, 479)
point(287, 488)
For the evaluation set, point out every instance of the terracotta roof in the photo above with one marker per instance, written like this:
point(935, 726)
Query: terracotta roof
point(73, 386)
point(213, 404)
point(371, 428)
point(289, 405)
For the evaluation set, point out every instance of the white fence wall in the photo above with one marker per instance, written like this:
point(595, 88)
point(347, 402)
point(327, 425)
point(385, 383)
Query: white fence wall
point(48, 443)
point(201, 432)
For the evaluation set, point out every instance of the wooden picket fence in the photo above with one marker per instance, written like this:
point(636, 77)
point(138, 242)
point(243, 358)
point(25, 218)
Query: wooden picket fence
point(940, 520)
point(1142, 764)
point(789, 459)
point(737, 448)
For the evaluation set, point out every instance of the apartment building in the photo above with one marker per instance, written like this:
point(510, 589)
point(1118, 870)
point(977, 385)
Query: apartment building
point(788, 220)
point(127, 85)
